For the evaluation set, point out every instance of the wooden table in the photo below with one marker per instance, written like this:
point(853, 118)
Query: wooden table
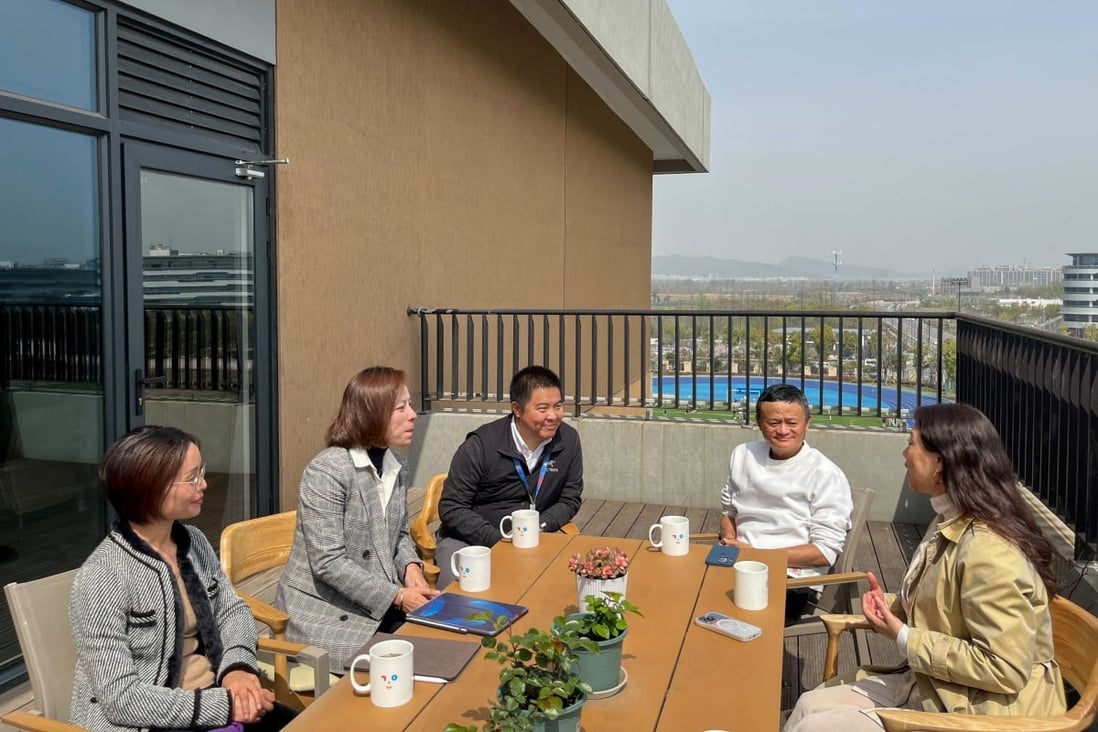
point(681, 676)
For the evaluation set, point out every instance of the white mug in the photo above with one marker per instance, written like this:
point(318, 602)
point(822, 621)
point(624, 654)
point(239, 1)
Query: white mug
point(391, 680)
point(525, 527)
point(674, 535)
point(751, 585)
point(472, 565)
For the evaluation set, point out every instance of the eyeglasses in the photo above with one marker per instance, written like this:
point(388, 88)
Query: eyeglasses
point(195, 480)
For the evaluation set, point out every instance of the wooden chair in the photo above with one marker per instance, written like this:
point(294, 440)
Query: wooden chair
point(1075, 637)
point(423, 528)
point(841, 584)
point(39, 612)
point(253, 555)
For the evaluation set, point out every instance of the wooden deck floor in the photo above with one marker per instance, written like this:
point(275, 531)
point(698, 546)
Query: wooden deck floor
point(886, 550)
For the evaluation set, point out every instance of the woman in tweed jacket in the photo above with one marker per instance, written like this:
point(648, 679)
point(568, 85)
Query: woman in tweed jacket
point(353, 568)
point(162, 641)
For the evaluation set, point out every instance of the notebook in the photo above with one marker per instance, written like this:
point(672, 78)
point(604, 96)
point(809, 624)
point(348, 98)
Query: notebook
point(433, 658)
point(452, 612)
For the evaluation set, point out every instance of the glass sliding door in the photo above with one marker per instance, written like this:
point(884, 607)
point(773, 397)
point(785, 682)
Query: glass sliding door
point(191, 232)
point(51, 365)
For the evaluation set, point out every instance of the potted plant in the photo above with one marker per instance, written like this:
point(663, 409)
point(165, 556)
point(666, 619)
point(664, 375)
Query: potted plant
point(598, 572)
point(539, 686)
point(604, 624)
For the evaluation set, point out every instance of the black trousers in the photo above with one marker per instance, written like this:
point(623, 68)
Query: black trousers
point(274, 720)
point(797, 601)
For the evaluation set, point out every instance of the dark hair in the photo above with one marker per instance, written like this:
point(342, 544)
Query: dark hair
point(782, 393)
point(980, 480)
point(530, 378)
point(138, 469)
point(368, 402)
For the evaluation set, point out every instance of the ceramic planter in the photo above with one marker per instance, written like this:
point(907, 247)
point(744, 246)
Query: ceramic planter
point(567, 721)
point(586, 586)
point(601, 670)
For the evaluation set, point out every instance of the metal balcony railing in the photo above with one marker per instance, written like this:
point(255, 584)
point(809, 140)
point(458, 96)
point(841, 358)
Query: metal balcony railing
point(1040, 390)
point(206, 349)
point(862, 364)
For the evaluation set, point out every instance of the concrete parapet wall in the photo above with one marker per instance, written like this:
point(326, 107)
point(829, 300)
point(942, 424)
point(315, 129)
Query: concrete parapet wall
point(686, 463)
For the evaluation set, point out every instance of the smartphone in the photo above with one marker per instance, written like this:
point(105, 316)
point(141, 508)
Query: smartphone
point(720, 623)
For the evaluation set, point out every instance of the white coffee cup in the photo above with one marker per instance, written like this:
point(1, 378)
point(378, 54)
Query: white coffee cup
point(674, 538)
point(525, 528)
point(391, 668)
point(472, 565)
point(751, 585)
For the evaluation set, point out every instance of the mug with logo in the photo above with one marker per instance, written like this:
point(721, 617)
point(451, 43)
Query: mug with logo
point(472, 565)
point(674, 533)
point(391, 680)
point(525, 527)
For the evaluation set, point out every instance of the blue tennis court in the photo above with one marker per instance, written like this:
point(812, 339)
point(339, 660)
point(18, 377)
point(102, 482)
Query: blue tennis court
point(811, 390)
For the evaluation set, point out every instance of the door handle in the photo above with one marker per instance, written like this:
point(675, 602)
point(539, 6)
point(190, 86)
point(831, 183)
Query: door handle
point(140, 381)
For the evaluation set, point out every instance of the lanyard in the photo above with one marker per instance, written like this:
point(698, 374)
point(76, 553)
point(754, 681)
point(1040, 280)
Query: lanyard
point(541, 479)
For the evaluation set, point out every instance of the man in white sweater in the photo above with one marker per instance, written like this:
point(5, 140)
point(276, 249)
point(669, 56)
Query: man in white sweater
point(783, 494)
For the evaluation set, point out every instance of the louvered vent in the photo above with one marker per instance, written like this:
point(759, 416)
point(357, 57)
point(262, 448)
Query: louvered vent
point(167, 82)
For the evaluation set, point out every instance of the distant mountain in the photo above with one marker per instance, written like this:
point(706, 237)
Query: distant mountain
point(674, 265)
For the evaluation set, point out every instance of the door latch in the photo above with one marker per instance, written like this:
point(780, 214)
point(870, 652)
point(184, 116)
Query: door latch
point(140, 381)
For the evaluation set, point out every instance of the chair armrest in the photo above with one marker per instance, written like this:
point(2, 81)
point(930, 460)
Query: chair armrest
point(704, 537)
point(835, 625)
point(569, 528)
point(431, 573)
point(311, 656)
point(825, 579)
point(902, 720)
point(37, 723)
point(269, 615)
point(838, 623)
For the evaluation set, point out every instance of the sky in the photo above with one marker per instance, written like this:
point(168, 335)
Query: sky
point(915, 136)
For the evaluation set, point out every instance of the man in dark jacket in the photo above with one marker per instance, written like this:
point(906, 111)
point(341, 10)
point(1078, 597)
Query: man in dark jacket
point(528, 459)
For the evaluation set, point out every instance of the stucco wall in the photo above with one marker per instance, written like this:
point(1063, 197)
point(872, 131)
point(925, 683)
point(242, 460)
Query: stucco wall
point(442, 154)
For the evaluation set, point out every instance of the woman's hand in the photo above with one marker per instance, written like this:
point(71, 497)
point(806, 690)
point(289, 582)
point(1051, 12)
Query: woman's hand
point(413, 577)
point(250, 700)
point(876, 611)
point(413, 597)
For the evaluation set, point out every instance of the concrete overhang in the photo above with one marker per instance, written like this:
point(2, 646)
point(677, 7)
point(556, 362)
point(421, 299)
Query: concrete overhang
point(633, 54)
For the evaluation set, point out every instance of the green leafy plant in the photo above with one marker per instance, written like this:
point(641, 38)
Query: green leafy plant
point(605, 617)
point(538, 679)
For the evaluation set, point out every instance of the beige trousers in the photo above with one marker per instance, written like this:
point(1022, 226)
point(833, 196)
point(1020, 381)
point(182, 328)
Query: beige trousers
point(848, 705)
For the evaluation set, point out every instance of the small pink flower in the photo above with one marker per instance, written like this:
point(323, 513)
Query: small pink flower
point(600, 563)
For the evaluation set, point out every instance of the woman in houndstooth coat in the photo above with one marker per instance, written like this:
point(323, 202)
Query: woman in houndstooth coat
point(353, 568)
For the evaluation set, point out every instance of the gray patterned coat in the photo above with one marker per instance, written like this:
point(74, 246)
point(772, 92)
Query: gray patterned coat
point(123, 610)
point(348, 560)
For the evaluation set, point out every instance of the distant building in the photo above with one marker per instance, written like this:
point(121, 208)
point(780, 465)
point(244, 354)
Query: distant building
point(1081, 291)
point(1004, 276)
point(198, 280)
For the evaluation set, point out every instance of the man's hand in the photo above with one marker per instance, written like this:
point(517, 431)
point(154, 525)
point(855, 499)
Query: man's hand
point(250, 700)
point(727, 535)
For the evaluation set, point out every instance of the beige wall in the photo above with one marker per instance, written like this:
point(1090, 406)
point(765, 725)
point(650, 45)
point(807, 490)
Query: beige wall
point(442, 155)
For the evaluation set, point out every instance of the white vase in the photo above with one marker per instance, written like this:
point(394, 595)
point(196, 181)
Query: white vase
point(587, 586)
